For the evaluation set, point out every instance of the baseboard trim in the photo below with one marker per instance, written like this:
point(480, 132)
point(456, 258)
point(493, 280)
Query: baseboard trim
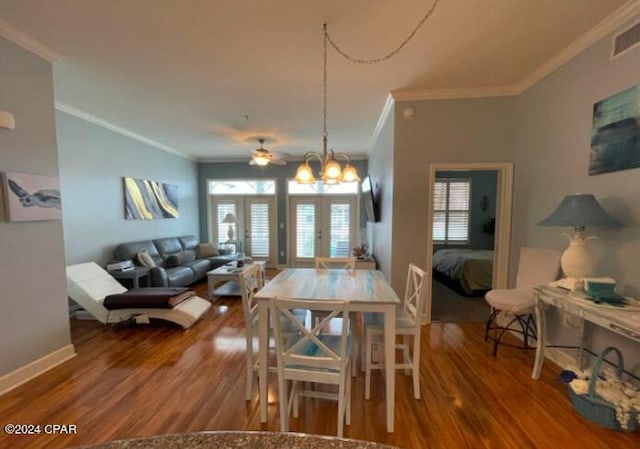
point(557, 355)
point(560, 357)
point(31, 370)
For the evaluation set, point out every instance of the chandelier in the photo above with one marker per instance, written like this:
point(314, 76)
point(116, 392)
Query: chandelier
point(330, 170)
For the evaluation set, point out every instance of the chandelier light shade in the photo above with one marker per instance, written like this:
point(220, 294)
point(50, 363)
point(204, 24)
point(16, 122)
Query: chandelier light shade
point(579, 211)
point(261, 161)
point(330, 170)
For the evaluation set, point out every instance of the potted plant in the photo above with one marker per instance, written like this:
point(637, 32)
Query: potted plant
point(361, 251)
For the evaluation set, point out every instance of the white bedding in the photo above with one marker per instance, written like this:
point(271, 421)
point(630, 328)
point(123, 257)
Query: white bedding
point(472, 268)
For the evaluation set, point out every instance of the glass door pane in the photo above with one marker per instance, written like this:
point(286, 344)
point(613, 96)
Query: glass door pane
point(305, 230)
point(339, 229)
point(222, 207)
point(260, 228)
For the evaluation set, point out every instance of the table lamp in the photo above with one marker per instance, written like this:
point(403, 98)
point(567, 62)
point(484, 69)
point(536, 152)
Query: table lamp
point(230, 219)
point(578, 211)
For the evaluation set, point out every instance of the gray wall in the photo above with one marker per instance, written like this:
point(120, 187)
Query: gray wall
point(93, 161)
point(468, 130)
point(551, 160)
point(242, 170)
point(34, 320)
point(381, 172)
point(483, 183)
point(546, 133)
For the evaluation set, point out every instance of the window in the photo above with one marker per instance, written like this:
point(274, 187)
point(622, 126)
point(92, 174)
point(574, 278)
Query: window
point(451, 199)
point(222, 210)
point(320, 188)
point(242, 187)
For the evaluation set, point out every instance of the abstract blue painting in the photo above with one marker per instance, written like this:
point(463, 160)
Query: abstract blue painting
point(615, 135)
point(149, 200)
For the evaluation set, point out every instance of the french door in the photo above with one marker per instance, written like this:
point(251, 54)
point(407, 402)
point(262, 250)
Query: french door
point(321, 226)
point(256, 226)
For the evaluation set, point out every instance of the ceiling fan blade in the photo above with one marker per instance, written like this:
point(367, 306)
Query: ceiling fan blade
point(278, 161)
point(279, 155)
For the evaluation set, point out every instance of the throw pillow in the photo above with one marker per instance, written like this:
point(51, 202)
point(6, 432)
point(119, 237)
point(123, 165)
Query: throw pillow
point(208, 250)
point(145, 259)
point(181, 258)
point(172, 261)
point(187, 256)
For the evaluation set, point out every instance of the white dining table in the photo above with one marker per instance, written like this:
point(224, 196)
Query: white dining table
point(365, 290)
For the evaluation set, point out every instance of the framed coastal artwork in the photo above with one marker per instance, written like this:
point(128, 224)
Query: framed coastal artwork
point(149, 200)
point(31, 197)
point(615, 134)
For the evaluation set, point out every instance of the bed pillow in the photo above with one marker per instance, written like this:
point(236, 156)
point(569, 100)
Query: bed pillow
point(208, 250)
point(145, 259)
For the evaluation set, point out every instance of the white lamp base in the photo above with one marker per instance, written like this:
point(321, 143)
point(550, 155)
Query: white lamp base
point(230, 233)
point(576, 262)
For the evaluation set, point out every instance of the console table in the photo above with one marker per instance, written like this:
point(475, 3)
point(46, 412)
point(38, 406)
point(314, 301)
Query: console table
point(623, 321)
point(367, 263)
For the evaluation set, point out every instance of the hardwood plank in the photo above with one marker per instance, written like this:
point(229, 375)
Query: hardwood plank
point(133, 381)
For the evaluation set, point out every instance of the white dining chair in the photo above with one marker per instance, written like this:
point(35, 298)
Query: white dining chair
point(250, 282)
point(312, 356)
point(337, 263)
point(343, 263)
point(536, 266)
point(407, 325)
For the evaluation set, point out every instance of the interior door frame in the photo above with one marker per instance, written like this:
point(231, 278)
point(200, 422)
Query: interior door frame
point(502, 241)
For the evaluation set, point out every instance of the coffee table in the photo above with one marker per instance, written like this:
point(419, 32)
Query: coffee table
point(230, 273)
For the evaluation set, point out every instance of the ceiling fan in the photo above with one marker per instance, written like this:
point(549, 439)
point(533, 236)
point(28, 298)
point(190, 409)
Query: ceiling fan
point(263, 157)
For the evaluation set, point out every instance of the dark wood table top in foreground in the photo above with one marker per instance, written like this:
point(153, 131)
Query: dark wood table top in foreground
point(240, 440)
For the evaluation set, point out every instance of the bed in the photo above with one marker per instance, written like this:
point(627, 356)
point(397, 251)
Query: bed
point(468, 271)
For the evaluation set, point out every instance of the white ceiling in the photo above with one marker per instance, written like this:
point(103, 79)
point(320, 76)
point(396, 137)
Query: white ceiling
point(186, 73)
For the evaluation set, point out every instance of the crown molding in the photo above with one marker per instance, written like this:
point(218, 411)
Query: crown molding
point(386, 110)
point(27, 42)
point(608, 25)
point(71, 110)
point(293, 159)
point(453, 93)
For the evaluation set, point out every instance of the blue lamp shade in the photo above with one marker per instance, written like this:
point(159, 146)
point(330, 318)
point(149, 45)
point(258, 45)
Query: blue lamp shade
point(580, 211)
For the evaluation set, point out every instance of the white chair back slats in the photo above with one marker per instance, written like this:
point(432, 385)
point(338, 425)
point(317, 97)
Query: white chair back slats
point(343, 263)
point(310, 354)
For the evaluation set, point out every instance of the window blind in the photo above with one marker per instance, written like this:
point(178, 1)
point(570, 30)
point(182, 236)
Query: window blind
point(259, 230)
point(339, 230)
point(305, 230)
point(451, 201)
point(223, 228)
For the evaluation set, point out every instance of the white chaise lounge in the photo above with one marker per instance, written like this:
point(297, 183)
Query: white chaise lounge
point(88, 284)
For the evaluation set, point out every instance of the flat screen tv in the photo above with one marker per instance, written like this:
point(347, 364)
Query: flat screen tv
point(368, 200)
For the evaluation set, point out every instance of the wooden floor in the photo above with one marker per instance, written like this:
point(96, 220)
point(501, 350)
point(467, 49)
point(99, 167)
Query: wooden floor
point(148, 380)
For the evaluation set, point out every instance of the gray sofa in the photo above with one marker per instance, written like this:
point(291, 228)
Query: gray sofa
point(177, 260)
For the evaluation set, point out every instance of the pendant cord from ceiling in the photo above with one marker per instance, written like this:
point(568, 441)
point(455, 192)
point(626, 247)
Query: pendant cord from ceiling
point(393, 52)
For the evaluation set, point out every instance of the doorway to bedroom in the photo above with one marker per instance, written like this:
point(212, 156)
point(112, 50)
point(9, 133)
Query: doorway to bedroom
point(468, 223)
